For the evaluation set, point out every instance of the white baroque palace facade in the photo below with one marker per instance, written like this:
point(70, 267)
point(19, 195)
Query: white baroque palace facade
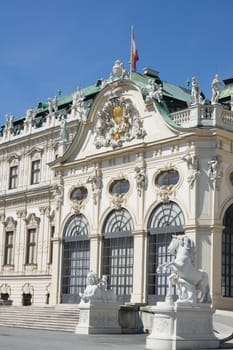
point(100, 180)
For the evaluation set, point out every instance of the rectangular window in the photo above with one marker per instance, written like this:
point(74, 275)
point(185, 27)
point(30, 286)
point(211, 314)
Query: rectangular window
point(13, 178)
point(35, 172)
point(8, 260)
point(31, 247)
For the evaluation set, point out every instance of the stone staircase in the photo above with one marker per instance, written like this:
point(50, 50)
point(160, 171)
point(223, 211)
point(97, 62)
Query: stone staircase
point(62, 317)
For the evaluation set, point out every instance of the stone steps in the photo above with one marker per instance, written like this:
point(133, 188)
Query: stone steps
point(55, 318)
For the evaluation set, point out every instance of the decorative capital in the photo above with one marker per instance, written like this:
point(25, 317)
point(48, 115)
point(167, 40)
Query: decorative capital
point(44, 211)
point(21, 213)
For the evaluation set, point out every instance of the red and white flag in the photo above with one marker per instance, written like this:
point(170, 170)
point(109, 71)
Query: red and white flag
point(134, 53)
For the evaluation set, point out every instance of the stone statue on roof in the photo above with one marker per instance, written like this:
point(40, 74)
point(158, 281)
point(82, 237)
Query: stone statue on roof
point(216, 87)
point(52, 105)
point(118, 72)
point(80, 108)
point(195, 92)
point(154, 91)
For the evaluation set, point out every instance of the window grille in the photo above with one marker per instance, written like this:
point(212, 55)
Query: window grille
point(31, 247)
point(118, 253)
point(35, 172)
point(8, 260)
point(166, 220)
point(13, 177)
point(227, 254)
point(76, 258)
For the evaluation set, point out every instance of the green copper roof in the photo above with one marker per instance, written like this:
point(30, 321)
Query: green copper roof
point(227, 91)
point(168, 88)
point(177, 92)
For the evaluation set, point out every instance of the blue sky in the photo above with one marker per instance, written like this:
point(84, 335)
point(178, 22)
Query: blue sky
point(48, 45)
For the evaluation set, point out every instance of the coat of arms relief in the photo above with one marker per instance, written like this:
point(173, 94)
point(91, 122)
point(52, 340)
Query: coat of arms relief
point(117, 122)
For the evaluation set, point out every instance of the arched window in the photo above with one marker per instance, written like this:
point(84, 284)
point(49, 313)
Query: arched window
point(76, 258)
point(118, 253)
point(227, 254)
point(165, 220)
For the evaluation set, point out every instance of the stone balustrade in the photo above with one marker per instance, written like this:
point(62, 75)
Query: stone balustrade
point(23, 127)
point(204, 116)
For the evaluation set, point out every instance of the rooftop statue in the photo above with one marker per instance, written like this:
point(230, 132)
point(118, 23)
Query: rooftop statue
point(53, 105)
point(216, 87)
point(119, 71)
point(154, 91)
point(195, 92)
point(80, 108)
point(191, 283)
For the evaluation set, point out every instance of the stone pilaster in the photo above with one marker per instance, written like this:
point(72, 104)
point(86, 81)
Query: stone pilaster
point(2, 218)
point(56, 265)
point(95, 248)
point(139, 273)
point(43, 240)
point(215, 275)
point(20, 241)
point(56, 276)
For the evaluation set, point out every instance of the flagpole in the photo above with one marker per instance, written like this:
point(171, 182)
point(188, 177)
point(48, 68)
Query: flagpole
point(130, 63)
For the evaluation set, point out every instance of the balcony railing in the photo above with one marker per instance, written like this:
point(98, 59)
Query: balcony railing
point(204, 116)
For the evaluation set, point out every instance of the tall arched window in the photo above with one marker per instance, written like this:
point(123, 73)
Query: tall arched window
point(165, 220)
point(227, 254)
point(76, 258)
point(118, 253)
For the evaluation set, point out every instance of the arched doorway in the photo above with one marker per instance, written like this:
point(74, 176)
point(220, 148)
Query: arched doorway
point(76, 258)
point(227, 254)
point(118, 253)
point(165, 220)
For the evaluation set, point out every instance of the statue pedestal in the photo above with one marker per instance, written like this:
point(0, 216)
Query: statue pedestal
point(98, 318)
point(182, 326)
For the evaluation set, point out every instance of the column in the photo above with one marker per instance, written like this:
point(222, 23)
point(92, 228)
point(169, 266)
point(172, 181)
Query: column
point(56, 265)
point(43, 241)
point(56, 282)
point(95, 254)
point(46, 240)
point(216, 265)
point(139, 273)
point(2, 248)
point(20, 241)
